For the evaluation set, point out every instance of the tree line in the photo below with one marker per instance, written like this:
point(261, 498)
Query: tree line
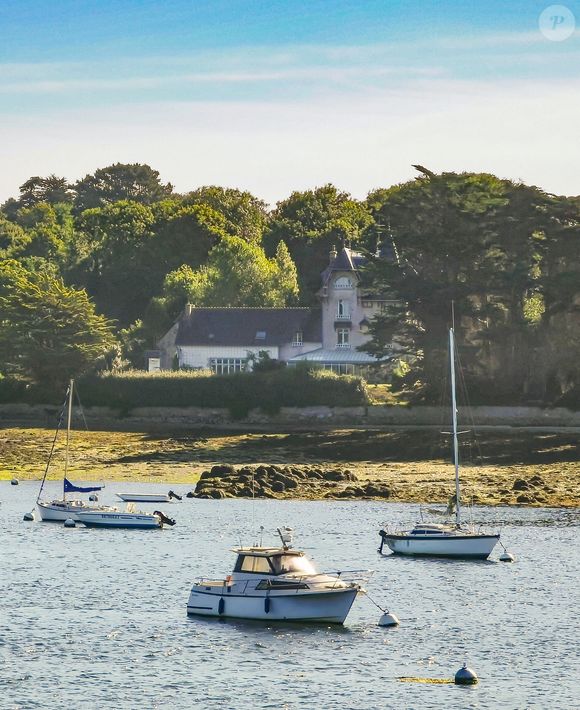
point(130, 252)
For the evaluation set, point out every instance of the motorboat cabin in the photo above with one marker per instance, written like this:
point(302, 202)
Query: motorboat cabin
point(275, 583)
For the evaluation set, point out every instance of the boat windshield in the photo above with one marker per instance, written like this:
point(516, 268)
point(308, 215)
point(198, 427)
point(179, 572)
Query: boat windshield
point(284, 564)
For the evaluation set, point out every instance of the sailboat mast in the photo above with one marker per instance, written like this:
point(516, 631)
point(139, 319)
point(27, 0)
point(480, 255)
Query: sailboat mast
point(454, 415)
point(69, 417)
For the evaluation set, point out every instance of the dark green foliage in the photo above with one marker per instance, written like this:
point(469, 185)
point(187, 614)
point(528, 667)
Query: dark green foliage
point(49, 332)
point(310, 223)
point(137, 182)
point(240, 392)
point(490, 247)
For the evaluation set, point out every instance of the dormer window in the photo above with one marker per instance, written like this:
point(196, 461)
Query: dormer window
point(261, 335)
point(343, 282)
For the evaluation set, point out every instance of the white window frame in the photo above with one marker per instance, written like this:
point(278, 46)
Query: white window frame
point(343, 338)
point(343, 282)
point(342, 310)
point(298, 340)
point(226, 365)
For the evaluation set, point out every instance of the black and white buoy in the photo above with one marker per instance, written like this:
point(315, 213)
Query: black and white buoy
point(466, 676)
point(93, 497)
point(506, 556)
point(388, 619)
point(28, 517)
point(70, 523)
point(14, 482)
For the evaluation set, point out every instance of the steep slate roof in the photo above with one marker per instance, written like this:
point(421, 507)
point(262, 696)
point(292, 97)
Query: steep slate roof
point(345, 260)
point(239, 326)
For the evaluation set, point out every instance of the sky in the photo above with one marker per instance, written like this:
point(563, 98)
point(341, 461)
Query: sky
point(273, 96)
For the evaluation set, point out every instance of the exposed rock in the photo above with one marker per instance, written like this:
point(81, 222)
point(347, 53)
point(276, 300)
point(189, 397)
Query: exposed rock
point(521, 484)
point(523, 499)
point(278, 487)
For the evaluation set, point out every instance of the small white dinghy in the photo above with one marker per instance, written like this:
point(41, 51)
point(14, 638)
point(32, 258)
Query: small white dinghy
point(276, 584)
point(144, 497)
point(131, 518)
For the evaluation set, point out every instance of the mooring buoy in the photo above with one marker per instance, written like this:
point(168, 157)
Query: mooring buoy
point(28, 516)
point(14, 482)
point(506, 557)
point(466, 676)
point(388, 619)
point(93, 497)
point(70, 523)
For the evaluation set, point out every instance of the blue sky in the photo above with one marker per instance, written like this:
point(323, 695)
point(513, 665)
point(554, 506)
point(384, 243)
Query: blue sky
point(278, 95)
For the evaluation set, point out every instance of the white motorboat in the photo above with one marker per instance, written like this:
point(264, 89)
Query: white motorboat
point(144, 497)
point(444, 540)
point(129, 519)
point(275, 584)
point(61, 509)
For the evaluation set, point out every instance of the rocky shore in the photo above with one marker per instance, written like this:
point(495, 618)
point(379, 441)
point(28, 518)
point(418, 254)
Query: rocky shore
point(225, 481)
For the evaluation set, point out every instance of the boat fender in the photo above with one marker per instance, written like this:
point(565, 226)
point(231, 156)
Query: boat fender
point(221, 606)
point(164, 519)
point(267, 605)
point(171, 494)
point(382, 535)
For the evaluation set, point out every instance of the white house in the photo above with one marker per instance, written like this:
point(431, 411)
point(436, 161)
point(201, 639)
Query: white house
point(221, 339)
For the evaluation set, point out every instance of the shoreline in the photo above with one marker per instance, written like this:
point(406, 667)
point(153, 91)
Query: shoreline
point(533, 469)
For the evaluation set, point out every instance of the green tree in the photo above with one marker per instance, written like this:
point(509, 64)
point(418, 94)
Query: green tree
point(52, 190)
point(310, 223)
point(116, 262)
point(472, 239)
point(49, 332)
point(50, 233)
point(135, 181)
point(245, 216)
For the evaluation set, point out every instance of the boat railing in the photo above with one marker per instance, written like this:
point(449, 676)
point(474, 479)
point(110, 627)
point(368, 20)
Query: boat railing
point(296, 582)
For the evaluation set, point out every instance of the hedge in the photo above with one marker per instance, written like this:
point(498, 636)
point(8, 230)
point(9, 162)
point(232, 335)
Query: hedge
point(240, 392)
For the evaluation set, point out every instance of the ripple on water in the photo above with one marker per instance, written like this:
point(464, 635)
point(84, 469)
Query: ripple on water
point(98, 617)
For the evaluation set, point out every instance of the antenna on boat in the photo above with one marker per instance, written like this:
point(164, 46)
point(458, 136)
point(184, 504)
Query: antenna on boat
point(286, 535)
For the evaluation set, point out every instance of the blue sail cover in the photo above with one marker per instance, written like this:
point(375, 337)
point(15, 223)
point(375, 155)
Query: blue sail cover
point(71, 488)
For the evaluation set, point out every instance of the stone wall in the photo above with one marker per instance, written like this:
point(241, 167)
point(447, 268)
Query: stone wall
point(153, 418)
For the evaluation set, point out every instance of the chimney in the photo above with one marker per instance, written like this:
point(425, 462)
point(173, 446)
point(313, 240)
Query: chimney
point(188, 310)
point(333, 254)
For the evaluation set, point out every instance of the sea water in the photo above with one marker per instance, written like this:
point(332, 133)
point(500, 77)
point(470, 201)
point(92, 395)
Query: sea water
point(97, 618)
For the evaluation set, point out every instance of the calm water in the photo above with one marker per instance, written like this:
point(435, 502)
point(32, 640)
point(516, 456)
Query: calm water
point(96, 618)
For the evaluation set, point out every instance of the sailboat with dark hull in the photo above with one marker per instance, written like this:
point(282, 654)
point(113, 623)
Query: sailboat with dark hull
point(444, 540)
point(65, 508)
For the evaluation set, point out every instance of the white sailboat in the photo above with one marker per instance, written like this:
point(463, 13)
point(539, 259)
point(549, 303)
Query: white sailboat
point(60, 509)
point(275, 584)
point(444, 540)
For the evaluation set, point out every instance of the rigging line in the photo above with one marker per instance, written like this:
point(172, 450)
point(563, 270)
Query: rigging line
point(469, 407)
point(58, 426)
point(78, 398)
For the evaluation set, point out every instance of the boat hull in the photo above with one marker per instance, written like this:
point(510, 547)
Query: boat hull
point(56, 513)
point(476, 547)
point(325, 607)
point(119, 520)
point(143, 498)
